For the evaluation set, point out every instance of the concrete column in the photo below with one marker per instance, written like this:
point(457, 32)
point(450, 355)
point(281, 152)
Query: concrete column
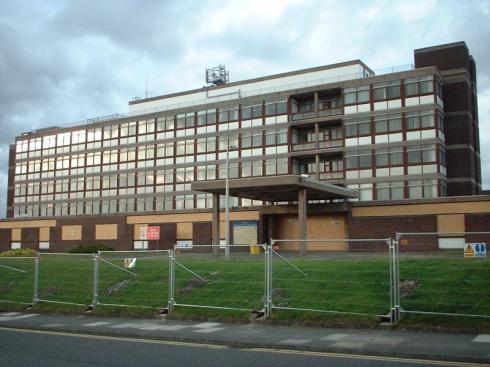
point(316, 103)
point(302, 200)
point(317, 167)
point(317, 135)
point(215, 225)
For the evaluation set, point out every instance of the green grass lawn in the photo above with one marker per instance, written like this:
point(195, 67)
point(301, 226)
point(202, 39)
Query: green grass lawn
point(329, 282)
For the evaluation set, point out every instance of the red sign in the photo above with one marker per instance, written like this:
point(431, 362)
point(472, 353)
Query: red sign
point(153, 233)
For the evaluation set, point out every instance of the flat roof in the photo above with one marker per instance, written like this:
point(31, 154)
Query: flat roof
point(276, 188)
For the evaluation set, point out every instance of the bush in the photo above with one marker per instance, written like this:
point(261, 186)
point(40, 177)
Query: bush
point(23, 252)
point(90, 249)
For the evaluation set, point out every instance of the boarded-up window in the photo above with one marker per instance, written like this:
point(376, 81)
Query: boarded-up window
point(106, 232)
point(71, 233)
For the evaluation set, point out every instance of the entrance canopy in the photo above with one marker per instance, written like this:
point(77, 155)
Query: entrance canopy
point(276, 188)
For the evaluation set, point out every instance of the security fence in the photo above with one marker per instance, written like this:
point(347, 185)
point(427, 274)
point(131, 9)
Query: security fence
point(17, 276)
point(414, 273)
point(443, 274)
point(65, 278)
point(332, 276)
point(206, 278)
point(132, 278)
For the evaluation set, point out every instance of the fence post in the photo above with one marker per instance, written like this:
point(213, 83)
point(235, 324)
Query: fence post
point(268, 279)
point(95, 299)
point(171, 280)
point(35, 298)
point(392, 279)
point(397, 276)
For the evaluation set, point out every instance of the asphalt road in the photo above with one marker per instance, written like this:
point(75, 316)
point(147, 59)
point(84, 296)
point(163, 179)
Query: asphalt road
point(39, 348)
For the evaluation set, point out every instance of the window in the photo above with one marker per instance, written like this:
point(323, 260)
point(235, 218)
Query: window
point(389, 190)
point(185, 120)
point(422, 189)
point(228, 114)
point(418, 154)
point(389, 156)
point(356, 95)
point(387, 90)
point(166, 123)
point(140, 245)
point(276, 107)
point(128, 129)
point(252, 168)
point(206, 117)
point(388, 123)
point(15, 245)
point(358, 127)
point(420, 119)
point(419, 85)
point(358, 159)
point(276, 137)
point(251, 111)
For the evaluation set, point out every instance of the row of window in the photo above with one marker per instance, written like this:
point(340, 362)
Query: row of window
point(392, 90)
point(394, 156)
point(392, 123)
point(166, 123)
point(412, 189)
point(93, 184)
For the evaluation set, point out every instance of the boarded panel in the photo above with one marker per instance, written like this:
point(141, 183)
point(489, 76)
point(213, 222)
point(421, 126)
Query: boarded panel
point(420, 209)
point(71, 233)
point(44, 234)
point(106, 232)
point(192, 217)
point(452, 223)
point(28, 224)
point(318, 227)
point(184, 231)
point(245, 233)
point(16, 234)
point(137, 231)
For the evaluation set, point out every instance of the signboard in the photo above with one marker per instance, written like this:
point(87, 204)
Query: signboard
point(153, 233)
point(244, 232)
point(129, 262)
point(150, 233)
point(475, 250)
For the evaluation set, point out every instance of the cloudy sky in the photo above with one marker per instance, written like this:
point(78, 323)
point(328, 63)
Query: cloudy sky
point(65, 61)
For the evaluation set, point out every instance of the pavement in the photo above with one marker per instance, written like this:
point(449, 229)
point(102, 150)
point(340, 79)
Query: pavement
point(472, 348)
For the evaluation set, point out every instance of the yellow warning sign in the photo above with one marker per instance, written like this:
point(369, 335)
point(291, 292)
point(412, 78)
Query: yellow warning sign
point(468, 251)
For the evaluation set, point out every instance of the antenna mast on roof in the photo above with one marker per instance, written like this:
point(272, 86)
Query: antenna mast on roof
point(217, 75)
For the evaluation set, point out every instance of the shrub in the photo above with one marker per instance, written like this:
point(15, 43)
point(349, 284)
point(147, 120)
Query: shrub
point(90, 249)
point(23, 252)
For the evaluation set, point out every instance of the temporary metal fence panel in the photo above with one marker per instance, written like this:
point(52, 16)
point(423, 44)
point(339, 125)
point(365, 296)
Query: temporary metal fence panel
point(132, 278)
point(17, 275)
point(333, 276)
point(205, 278)
point(436, 277)
point(66, 278)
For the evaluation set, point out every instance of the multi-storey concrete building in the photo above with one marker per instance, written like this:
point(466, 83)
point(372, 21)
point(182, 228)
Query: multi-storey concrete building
point(392, 138)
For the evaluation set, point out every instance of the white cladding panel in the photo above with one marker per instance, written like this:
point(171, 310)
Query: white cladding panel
point(253, 88)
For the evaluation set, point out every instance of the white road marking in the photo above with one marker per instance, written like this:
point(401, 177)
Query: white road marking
point(335, 337)
point(482, 338)
point(13, 318)
point(98, 323)
point(10, 313)
point(295, 341)
point(168, 327)
point(207, 325)
point(209, 330)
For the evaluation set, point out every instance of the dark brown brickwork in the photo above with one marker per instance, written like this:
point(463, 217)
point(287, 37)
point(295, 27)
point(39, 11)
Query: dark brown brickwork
point(456, 188)
point(168, 233)
point(453, 56)
point(5, 235)
point(456, 97)
point(88, 223)
point(30, 238)
point(459, 77)
point(202, 233)
point(385, 227)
